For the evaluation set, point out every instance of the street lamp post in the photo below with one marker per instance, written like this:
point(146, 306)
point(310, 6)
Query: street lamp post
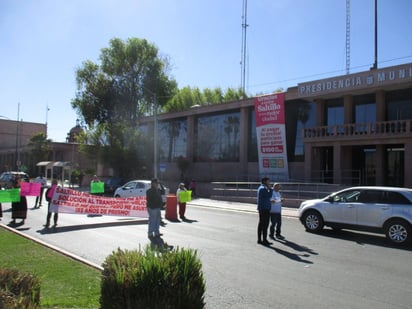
point(155, 136)
point(154, 131)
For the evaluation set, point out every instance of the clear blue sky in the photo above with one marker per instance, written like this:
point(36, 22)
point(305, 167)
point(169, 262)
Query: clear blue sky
point(43, 42)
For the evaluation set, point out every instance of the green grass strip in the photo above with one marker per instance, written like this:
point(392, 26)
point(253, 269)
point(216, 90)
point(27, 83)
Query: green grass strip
point(65, 283)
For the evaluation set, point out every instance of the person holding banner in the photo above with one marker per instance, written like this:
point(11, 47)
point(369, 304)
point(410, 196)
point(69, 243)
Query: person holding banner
point(154, 203)
point(264, 196)
point(49, 196)
point(19, 209)
point(181, 200)
point(96, 186)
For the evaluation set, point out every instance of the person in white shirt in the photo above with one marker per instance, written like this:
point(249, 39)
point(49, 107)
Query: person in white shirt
point(276, 213)
point(40, 179)
point(182, 205)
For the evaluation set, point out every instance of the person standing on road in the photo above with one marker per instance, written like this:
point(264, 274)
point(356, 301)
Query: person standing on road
point(154, 204)
point(19, 209)
point(276, 213)
point(43, 184)
point(264, 195)
point(182, 205)
point(49, 196)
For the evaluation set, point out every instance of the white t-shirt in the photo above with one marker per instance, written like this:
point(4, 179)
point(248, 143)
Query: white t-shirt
point(276, 205)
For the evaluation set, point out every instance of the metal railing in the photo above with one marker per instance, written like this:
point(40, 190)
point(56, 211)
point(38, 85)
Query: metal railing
point(351, 130)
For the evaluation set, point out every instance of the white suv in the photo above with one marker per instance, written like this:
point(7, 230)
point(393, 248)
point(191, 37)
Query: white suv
point(386, 210)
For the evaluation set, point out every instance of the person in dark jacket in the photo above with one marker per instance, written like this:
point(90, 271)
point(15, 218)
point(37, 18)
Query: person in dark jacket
point(264, 195)
point(19, 209)
point(154, 203)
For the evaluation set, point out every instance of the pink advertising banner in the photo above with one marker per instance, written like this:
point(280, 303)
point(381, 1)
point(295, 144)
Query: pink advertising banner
point(271, 136)
point(75, 202)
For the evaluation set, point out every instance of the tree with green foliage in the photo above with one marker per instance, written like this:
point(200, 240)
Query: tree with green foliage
point(188, 97)
point(113, 95)
point(40, 147)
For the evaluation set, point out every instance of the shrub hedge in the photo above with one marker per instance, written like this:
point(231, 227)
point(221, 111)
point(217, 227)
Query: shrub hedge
point(152, 279)
point(19, 290)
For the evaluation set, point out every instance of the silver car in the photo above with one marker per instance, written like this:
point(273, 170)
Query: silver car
point(139, 188)
point(384, 210)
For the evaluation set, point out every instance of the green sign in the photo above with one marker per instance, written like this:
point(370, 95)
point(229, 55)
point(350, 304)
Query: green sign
point(185, 196)
point(97, 187)
point(10, 195)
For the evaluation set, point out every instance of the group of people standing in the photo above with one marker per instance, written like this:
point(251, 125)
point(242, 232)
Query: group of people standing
point(19, 208)
point(154, 204)
point(269, 206)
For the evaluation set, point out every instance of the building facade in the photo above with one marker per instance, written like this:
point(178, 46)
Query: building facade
point(61, 160)
point(353, 129)
point(14, 138)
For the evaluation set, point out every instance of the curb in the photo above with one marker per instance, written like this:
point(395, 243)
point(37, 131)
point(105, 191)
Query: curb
point(237, 206)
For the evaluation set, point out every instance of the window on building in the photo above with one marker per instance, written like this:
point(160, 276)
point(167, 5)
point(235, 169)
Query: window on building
point(306, 118)
point(217, 138)
point(252, 151)
point(172, 139)
point(364, 113)
point(334, 116)
point(399, 105)
point(400, 110)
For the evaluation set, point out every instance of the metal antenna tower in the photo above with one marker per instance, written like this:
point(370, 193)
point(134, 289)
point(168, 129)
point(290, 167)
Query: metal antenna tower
point(243, 54)
point(347, 36)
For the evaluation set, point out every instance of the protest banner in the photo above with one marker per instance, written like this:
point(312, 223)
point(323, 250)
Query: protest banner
point(185, 196)
point(96, 187)
point(30, 188)
point(75, 202)
point(10, 195)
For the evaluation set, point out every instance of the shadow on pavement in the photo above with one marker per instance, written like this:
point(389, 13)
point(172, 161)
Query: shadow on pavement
point(69, 228)
point(363, 238)
point(290, 255)
point(157, 243)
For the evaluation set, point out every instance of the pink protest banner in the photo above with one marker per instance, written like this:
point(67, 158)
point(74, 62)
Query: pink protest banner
point(30, 188)
point(75, 202)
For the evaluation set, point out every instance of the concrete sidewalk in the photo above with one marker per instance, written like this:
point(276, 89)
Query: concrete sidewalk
point(236, 206)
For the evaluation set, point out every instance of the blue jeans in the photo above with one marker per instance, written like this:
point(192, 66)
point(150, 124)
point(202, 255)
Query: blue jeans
point(275, 222)
point(154, 221)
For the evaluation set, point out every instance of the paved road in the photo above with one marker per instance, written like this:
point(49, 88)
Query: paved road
point(71, 228)
point(345, 270)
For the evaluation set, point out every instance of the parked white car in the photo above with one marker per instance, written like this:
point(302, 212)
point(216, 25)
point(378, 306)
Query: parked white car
point(385, 210)
point(139, 188)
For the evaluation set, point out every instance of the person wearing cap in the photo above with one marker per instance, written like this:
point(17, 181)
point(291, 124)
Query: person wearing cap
point(264, 195)
point(182, 205)
point(154, 203)
point(276, 213)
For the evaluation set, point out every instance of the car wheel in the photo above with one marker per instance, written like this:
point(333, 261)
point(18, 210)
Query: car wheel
point(117, 195)
point(398, 231)
point(313, 221)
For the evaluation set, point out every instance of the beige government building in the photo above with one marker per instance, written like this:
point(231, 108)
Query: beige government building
point(353, 129)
